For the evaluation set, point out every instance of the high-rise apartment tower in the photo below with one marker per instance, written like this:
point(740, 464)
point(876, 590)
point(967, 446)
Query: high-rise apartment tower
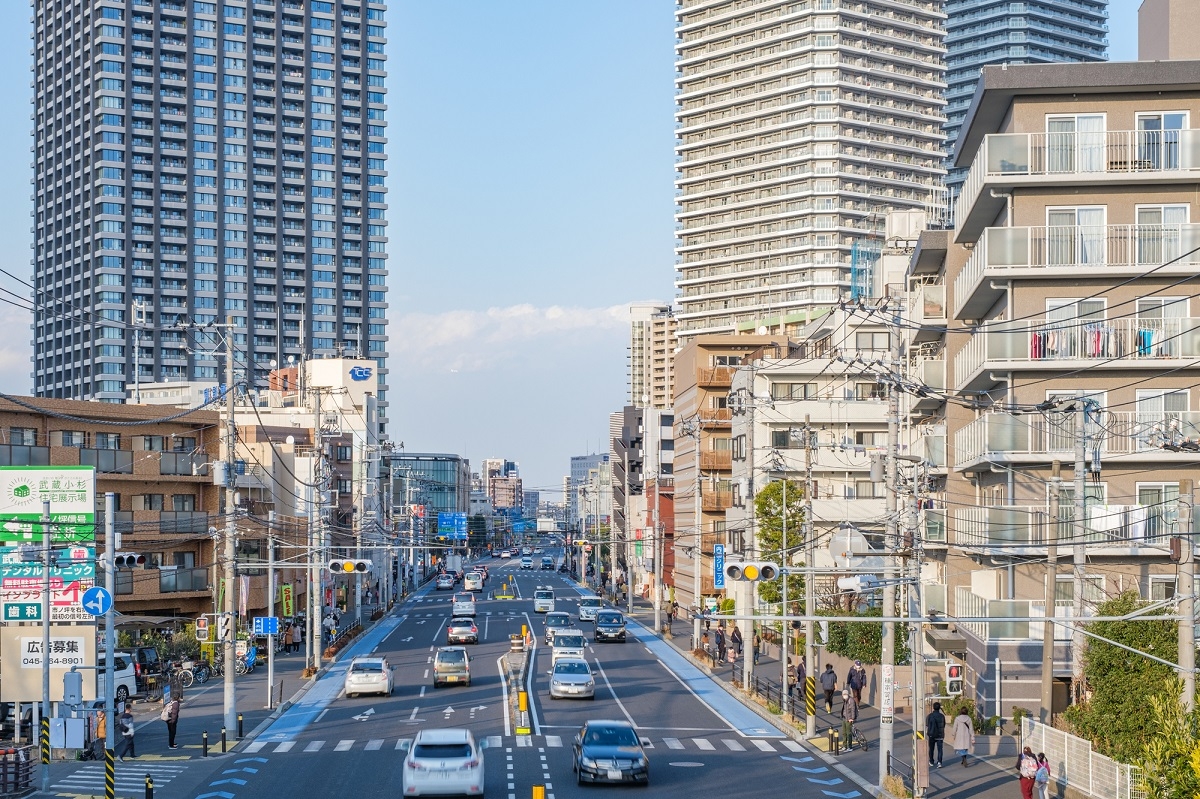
point(800, 124)
point(197, 160)
point(651, 354)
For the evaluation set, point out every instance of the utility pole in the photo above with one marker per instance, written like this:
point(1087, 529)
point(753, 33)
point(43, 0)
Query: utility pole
point(1187, 602)
point(316, 542)
point(810, 599)
point(783, 610)
point(888, 655)
point(139, 319)
point(1047, 710)
point(44, 721)
point(110, 630)
point(230, 653)
point(696, 550)
point(658, 569)
point(1079, 533)
point(360, 503)
point(920, 768)
point(270, 603)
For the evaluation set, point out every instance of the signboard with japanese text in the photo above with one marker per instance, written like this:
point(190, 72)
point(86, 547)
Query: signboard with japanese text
point(66, 599)
point(71, 492)
point(718, 565)
point(21, 661)
point(74, 563)
point(452, 525)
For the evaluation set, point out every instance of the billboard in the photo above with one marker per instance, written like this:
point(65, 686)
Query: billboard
point(72, 572)
point(452, 526)
point(21, 661)
point(71, 492)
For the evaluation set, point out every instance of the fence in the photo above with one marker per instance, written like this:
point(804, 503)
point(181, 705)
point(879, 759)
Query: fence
point(16, 770)
point(1075, 765)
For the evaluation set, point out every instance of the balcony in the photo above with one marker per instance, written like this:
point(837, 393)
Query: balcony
point(928, 311)
point(933, 526)
point(1094, 344)
point(1103, 159)
point(183, 522)
point(716, 417)
point(970, 605)
point(716, 460)
point(173, 581)
point(717, 377)
point(715, 501)
point(930, 372)
point(1026, 529)
point(1002, 438)
point(1039, 253)
point(931, 448)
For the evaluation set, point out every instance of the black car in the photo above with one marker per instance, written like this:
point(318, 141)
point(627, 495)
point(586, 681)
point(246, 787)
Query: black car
point(610, 626)
point(547, 564)
point(609, 751)
point(146, 666)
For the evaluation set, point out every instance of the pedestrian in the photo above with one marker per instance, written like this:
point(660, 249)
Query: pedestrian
point(791, 680)
point(720, 645)
point(801, 675)
point(674, 611)
point(856, 680)
point(964, 735)
point(170, 714)
point(735, 639)
point(757, 647)
point(287, 638)
point(1041, 780)
point(297, 636)
point(935, 732)
point(1027, 769)
point(126, 744)
point(829, 685)
point(849, 716)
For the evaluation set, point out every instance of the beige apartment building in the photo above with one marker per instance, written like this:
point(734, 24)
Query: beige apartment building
point(1070, 273)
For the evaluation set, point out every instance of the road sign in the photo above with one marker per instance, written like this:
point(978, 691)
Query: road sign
point(718, 565)
point(97, 600)
point(266, 625)
point(201, 629)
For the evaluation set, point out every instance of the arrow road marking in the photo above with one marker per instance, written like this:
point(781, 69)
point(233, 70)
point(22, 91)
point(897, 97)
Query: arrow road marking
point(818, 770)
point(366, 714)
point(218, 794)
point(796, 759)
point(406, 640)
point(448, 710)
point(240, 770)
point(230, 781)
point(834, 781)
point(251, 760)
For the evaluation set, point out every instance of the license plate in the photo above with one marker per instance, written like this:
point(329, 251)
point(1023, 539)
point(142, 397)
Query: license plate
point(614, 773)
point(451, 679)
point(573, 689)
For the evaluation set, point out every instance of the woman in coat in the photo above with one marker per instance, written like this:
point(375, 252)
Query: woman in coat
point(963, 733)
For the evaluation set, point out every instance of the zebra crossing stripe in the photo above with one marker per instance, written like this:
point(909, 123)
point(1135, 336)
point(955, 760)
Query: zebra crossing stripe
point(734, 746)
point(374, 744)
point(763, 746)
point(286, 746)
point(313, 746)
point(343, 746)
point(256, 746)
point(791, 745)
point(702, 743)
point(673, 743)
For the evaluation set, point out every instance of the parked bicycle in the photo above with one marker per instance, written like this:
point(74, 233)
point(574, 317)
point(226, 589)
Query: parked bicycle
point(190, 672)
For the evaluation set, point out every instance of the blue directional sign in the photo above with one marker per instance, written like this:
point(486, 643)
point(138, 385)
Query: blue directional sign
point(96, 600)
point(718, 565)
point(266, 625)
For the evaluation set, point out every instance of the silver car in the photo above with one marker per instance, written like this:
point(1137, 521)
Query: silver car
point(572, 678)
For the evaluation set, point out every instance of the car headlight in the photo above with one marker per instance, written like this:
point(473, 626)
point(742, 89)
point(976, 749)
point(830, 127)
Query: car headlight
point(587, 762)
point(591, 683)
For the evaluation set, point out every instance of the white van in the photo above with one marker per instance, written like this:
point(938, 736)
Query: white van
point(543, 599)
point(588, 607)
point(473, 581)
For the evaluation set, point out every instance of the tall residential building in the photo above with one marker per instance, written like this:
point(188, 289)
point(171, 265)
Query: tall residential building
point(198, 160)
point(502, 482)
point(1167, 30)
point(651, 354)
point(982, 32)
point(581, 467)
point(800, 125)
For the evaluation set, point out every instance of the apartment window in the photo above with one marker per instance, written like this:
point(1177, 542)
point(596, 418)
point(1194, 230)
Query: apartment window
point(1160, 233)
point(721, 444)
point(1161, 588)
point(148, 502)
point(719, 402)
point(783, 439)
point(793, 391)
point(739, 447)
point(72, 438)
point(869, 391)
point(872, 341)
point(1093, 588)
point(727, 360)
point(869, 489)
point(871, 438)
point(153, 443)
point(343, 487)
point(107, 441)
point(1159, 502)
point(1158, 139)
point(183, 503)
point(23, 436)
point(1075, 235)
point(183, 443)
point(344, 453)
point(1075, 143)
point(184, 560)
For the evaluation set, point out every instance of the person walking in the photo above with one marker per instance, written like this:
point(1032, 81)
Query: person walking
point(791, 681)
point(735, 640)
point(849, 716)
point(170, 714)
point(1027, 769)
point(964, 735)
point(125, 746)
point(757, 644)
point(297, 636)
point(856, 680)
point(935, 732)
point(829, 685)
point(1041, 780)
point(720, 645)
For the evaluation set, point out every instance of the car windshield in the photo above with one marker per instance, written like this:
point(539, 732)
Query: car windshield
point(608, 618)
point(543, 595)
point(441, 751)
point(589, 602)
point(451, 658)
point(611, 736)
point(368, 666)
point(570, 641)
point(571, 667)
point(557, 620)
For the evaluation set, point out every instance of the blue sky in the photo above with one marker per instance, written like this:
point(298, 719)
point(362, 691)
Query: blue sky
point(530, 171)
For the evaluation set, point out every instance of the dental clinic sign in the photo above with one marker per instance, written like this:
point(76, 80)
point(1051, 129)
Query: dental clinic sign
point(71, 492)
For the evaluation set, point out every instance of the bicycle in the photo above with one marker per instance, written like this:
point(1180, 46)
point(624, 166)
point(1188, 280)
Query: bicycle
point(857, 739)
point(189, 672)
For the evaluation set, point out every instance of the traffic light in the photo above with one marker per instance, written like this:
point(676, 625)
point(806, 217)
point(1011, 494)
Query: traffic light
point(128, 560)
point(753, 571)
point(349, 566)
point(954, 679)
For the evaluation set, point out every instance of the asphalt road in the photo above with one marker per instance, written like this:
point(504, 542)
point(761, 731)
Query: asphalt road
point(701, 738)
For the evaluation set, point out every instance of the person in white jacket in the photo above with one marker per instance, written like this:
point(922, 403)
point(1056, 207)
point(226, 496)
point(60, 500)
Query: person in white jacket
point(963, 733)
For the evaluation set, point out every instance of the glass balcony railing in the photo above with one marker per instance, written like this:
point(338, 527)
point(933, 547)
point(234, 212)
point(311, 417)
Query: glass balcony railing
point(1002, 436)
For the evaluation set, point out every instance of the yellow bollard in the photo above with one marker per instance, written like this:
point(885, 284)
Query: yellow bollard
point(539, 792)
point(522, 701)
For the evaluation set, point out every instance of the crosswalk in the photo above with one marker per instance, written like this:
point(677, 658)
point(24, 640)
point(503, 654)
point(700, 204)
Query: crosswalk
point(130, 777)
point(701, 744)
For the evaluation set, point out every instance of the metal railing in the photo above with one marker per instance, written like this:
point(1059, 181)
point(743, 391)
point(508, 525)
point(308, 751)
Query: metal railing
point(1074, 765)
point(1030, 525)
point(999, 436)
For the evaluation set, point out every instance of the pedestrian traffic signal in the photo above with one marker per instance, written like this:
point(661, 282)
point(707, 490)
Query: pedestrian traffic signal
point(752, 571)
point(127, 560)
point(954, 679)
point(349, 566)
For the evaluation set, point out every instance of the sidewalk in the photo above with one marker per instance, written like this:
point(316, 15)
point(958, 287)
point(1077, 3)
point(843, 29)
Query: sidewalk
point(982, 778)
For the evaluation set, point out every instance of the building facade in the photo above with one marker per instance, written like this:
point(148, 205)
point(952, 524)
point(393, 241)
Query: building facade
point(651, 354)
point(202, 160)
point(799, 126)
point(983, 32)
point(581, 467)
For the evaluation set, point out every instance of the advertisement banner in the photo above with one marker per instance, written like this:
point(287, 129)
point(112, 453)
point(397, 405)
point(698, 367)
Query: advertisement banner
point(22, 600)
point(287, 599)
point(21, 661)
point(71, 492)
point(718, 565)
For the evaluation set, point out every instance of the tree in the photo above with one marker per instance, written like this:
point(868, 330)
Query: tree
point(862, 640)
point(768, 539)
point(1170, 762)
point(1113, 715)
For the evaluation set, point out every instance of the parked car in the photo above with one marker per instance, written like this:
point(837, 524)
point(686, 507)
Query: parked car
point(146, 666)
point(451, 665)
point(572, 678)
point(610, 626)
point(445, 761)
point(609, 751)
point(368, 675)
point(462, 631)
point(124, 676)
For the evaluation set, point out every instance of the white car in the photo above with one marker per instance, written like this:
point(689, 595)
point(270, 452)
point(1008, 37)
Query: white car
point(568, 644)
point(463, 605)
point(368, 675)
point(505, 555)
point(441, 762)
point(124, 676)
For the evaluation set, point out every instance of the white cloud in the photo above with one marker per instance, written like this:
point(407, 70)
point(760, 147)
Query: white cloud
point(468, 341)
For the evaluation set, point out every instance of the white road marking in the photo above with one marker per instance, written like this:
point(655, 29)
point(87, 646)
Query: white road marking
point(734, 746)
point(373, 744)
point(256, 746)
point(791, 745)
point(553, 740)
point(286, 746)
point(620, 704)
point(343, 746)
point(702, 743)
point(673, 743)
point(313, 746)
point(762, 745)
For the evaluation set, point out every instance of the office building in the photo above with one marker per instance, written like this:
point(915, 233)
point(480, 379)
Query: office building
point(651, 354)
point(502, 482)
point(983, 32)
point(799, 126)
point(202, 160)
point(581, 467)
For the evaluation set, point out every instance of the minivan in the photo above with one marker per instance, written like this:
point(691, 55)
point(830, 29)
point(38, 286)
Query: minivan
point(543, 599)
point(473, 582)
point(568, 644)
point(463, 605)
point(451, 665)
point(588, 607)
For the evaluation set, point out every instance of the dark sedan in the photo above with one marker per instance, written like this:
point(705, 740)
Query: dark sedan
point(610, 626)
point(609, 751)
